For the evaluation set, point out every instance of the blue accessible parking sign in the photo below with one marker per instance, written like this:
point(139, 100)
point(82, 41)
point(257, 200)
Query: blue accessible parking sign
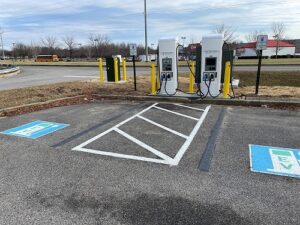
point(35, 129)
point(274, 160)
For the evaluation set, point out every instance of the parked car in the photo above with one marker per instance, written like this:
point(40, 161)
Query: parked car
point(129, 59)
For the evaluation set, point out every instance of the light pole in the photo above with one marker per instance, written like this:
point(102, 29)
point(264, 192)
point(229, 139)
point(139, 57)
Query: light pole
point(14, 54)
point(146, 38)
point(1, 33)
point(152, 48)
point(183, 38)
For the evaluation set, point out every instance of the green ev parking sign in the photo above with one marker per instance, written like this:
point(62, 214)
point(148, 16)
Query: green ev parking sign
point(273, 160)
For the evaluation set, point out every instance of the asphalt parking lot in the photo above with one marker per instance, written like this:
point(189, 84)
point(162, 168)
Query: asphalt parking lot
point(147, 163)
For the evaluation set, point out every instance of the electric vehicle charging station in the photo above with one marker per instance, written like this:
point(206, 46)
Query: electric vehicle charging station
point(211, 65)
point(210, 68)
point(168, 65)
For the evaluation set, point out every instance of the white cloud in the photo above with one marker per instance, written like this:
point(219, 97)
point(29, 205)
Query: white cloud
point(190, 18)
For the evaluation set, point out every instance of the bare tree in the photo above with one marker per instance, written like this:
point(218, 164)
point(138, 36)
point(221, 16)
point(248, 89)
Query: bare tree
point(70, 42)
point(21, 50)
point(278, 30)
point(99, 42)
point(228, 32)
point(49, 42)
point(252, 37)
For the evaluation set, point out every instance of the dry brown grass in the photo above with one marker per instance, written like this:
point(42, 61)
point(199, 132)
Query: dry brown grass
point(275, 91)
point(11, 98)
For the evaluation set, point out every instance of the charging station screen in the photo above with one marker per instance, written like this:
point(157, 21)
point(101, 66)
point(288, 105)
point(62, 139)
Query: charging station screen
point(210, 64)
point(167, 64)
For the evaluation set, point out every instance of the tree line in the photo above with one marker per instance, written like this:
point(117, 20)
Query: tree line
point(67, 47)
point(100, 45)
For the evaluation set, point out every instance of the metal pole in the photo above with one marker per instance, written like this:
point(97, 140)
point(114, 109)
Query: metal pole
point(14, 53)
point(101, 69)
point(226, 86)
point(258, 72)
point(2, 45)
point(153, 83)
point(124, 69)
point(146, 37)
point(134, 72)
point(183, 38)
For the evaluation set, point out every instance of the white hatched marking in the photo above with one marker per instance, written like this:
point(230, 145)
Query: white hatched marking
point(118, 155)
point(187, 143)
point(163, 127)
point(189, 107)
point(111, 129)
point(165, 159)
point(176, 113)
point(145, 146)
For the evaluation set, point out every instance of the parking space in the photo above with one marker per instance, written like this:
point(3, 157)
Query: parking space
point(145, 132)
point(139, 163)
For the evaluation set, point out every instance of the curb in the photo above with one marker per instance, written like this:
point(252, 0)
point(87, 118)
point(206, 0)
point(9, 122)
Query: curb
point(9, 72)
point(28, 108)
point(228, 102)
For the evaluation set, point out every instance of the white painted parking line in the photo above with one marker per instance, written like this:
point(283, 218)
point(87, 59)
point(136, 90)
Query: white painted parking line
point(111, 129)
point(187, 143)
point(164, 158)
point(176, 113)
point(189, 107)
point(163, 127)
point(81, 76)
point(145, 146)
point(118, 155)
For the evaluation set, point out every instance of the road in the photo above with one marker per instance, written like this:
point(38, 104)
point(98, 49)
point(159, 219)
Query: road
point(39, 75)
point(44, 182)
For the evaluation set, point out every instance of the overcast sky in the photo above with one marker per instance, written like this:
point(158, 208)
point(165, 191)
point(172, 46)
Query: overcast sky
point(123, 20)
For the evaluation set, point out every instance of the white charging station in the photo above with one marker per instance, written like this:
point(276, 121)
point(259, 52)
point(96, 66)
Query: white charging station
point(168, 65)
point(211, 65)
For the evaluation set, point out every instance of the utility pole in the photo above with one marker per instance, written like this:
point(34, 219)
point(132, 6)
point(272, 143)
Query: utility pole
point(14, 53)
point(146, 37)
point(1, 33)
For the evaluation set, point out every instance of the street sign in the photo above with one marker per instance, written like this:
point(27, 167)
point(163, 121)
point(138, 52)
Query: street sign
point(133, 49)
point(262, 42)
point(35, 129)
point(274, 160)
point(133, 53)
